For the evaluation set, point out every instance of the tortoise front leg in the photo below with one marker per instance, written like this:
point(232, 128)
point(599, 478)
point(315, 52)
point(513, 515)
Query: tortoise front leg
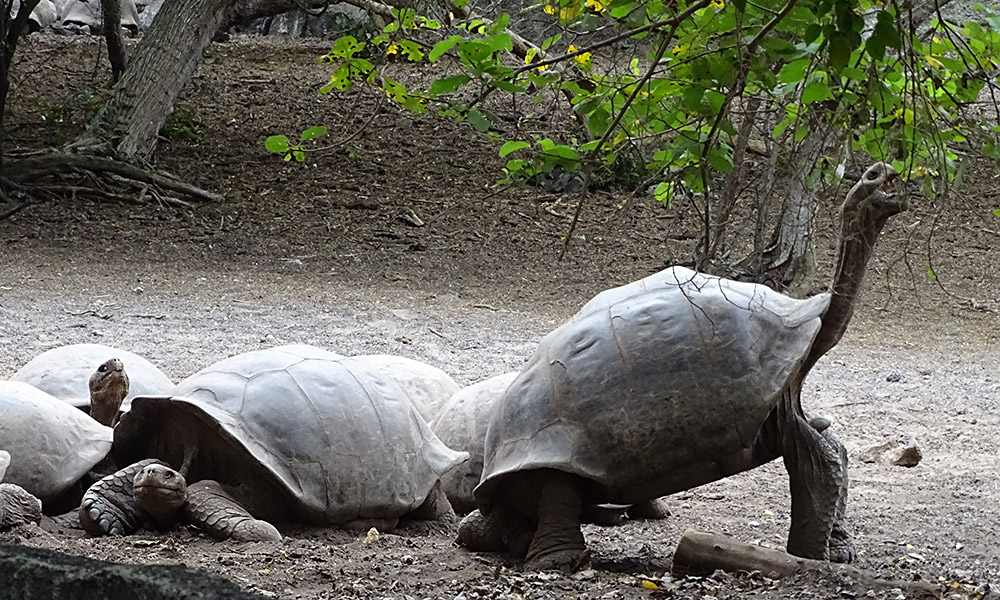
point(109, 506)
point(558, 542)
point(218, 514)
point(817, 472)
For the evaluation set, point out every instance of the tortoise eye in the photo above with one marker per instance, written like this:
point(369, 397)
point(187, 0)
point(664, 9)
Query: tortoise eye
point(873, 174)
point(168, 475)
point(102, 368)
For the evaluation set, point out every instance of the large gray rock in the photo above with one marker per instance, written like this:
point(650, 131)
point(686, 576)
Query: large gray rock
point(40, 574)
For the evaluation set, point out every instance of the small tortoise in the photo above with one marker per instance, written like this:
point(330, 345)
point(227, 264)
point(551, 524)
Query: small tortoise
point(428, 387)
point(670, 383)
point(294, 433)
point(65, 372)
point(17, 506)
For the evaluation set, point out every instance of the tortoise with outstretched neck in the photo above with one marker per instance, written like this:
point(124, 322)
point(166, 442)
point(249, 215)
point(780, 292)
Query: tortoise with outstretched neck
point(66, 371)
point(294, 433)
point(669, 383)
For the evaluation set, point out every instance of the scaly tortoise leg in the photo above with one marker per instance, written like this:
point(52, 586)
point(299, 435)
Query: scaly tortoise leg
point(109, 506)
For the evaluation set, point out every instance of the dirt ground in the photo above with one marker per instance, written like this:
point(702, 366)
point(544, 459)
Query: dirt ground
point(326, 253)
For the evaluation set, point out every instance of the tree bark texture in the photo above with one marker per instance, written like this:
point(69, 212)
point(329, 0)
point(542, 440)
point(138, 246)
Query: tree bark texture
point(111, 11)
point(128, 124)
point(789, 264)
point(701, 553)
point(10, 30)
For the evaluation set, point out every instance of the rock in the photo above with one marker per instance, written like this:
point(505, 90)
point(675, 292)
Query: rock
point(894, 377)
point(36, 574)
point(902, 452)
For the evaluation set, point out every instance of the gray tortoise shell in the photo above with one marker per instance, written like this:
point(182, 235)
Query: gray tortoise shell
point(427, 386)
point(343, 440)
point(462, 425)
point(652, 388)
point(65, 373)
point(51, 444)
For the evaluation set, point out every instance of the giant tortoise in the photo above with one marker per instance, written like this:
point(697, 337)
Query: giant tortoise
point(52, 445)
point(65, 372)
point(294, 433)
point(670, 383)
point(80, 14)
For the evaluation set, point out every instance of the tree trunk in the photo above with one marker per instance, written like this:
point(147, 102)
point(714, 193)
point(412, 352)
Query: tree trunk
point(112, 23)
point(128, 124)
point(10, 30)
point(788, 265)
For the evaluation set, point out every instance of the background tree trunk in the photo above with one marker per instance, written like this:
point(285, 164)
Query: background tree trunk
point(788, 264)
point(128, 124)
point(111, 11)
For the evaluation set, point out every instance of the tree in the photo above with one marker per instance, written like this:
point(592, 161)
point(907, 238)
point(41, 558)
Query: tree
point(807, 83)
point(121, 139)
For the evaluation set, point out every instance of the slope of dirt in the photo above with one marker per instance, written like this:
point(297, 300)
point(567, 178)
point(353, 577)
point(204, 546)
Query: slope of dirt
point(327, 253)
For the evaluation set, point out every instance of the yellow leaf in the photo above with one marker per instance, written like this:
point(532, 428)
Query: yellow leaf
point(595, 5)
point(529, 55)
point(393, 49)
point(679, 49)
point(649, 585)
point(718, 4)
point(571, 49)
point(934, 62)
point(549, 9)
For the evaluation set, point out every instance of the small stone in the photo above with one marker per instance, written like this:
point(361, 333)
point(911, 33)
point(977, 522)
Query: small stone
point(894, 377)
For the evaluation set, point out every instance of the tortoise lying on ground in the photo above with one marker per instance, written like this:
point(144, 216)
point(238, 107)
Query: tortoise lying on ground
point(428, 387)
point(669, 383)
point(17, 506)
point(52, 445)
point(87, 14)
point(294, 433)
point(65, 372)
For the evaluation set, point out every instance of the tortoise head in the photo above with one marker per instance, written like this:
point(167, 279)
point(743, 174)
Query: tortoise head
point(161, 492)
point(108, 387)
point(871, 197)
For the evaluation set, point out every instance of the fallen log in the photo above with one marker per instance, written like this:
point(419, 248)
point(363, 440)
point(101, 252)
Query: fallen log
point(701, 553)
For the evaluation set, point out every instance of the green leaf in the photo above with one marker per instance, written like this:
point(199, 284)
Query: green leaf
point(997, 212)
point(552, 40)
point(478, 120)
point(930, 272)
point(443, 46)
point(448, 85)
point(299, 155)
point(563, 151)
point(598, 122)
point(794, 71)
point(499, 25)
point(277, 144)
point(840, 52)
point(664, 192)
point(313, 133)
point(512, 146)
point(816, 91)
point(620, 11)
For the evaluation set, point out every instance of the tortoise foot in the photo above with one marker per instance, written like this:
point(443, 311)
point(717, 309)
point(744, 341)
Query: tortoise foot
point(567, 560)
point(219, 515)
point(480, 533)
point(842, 548)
